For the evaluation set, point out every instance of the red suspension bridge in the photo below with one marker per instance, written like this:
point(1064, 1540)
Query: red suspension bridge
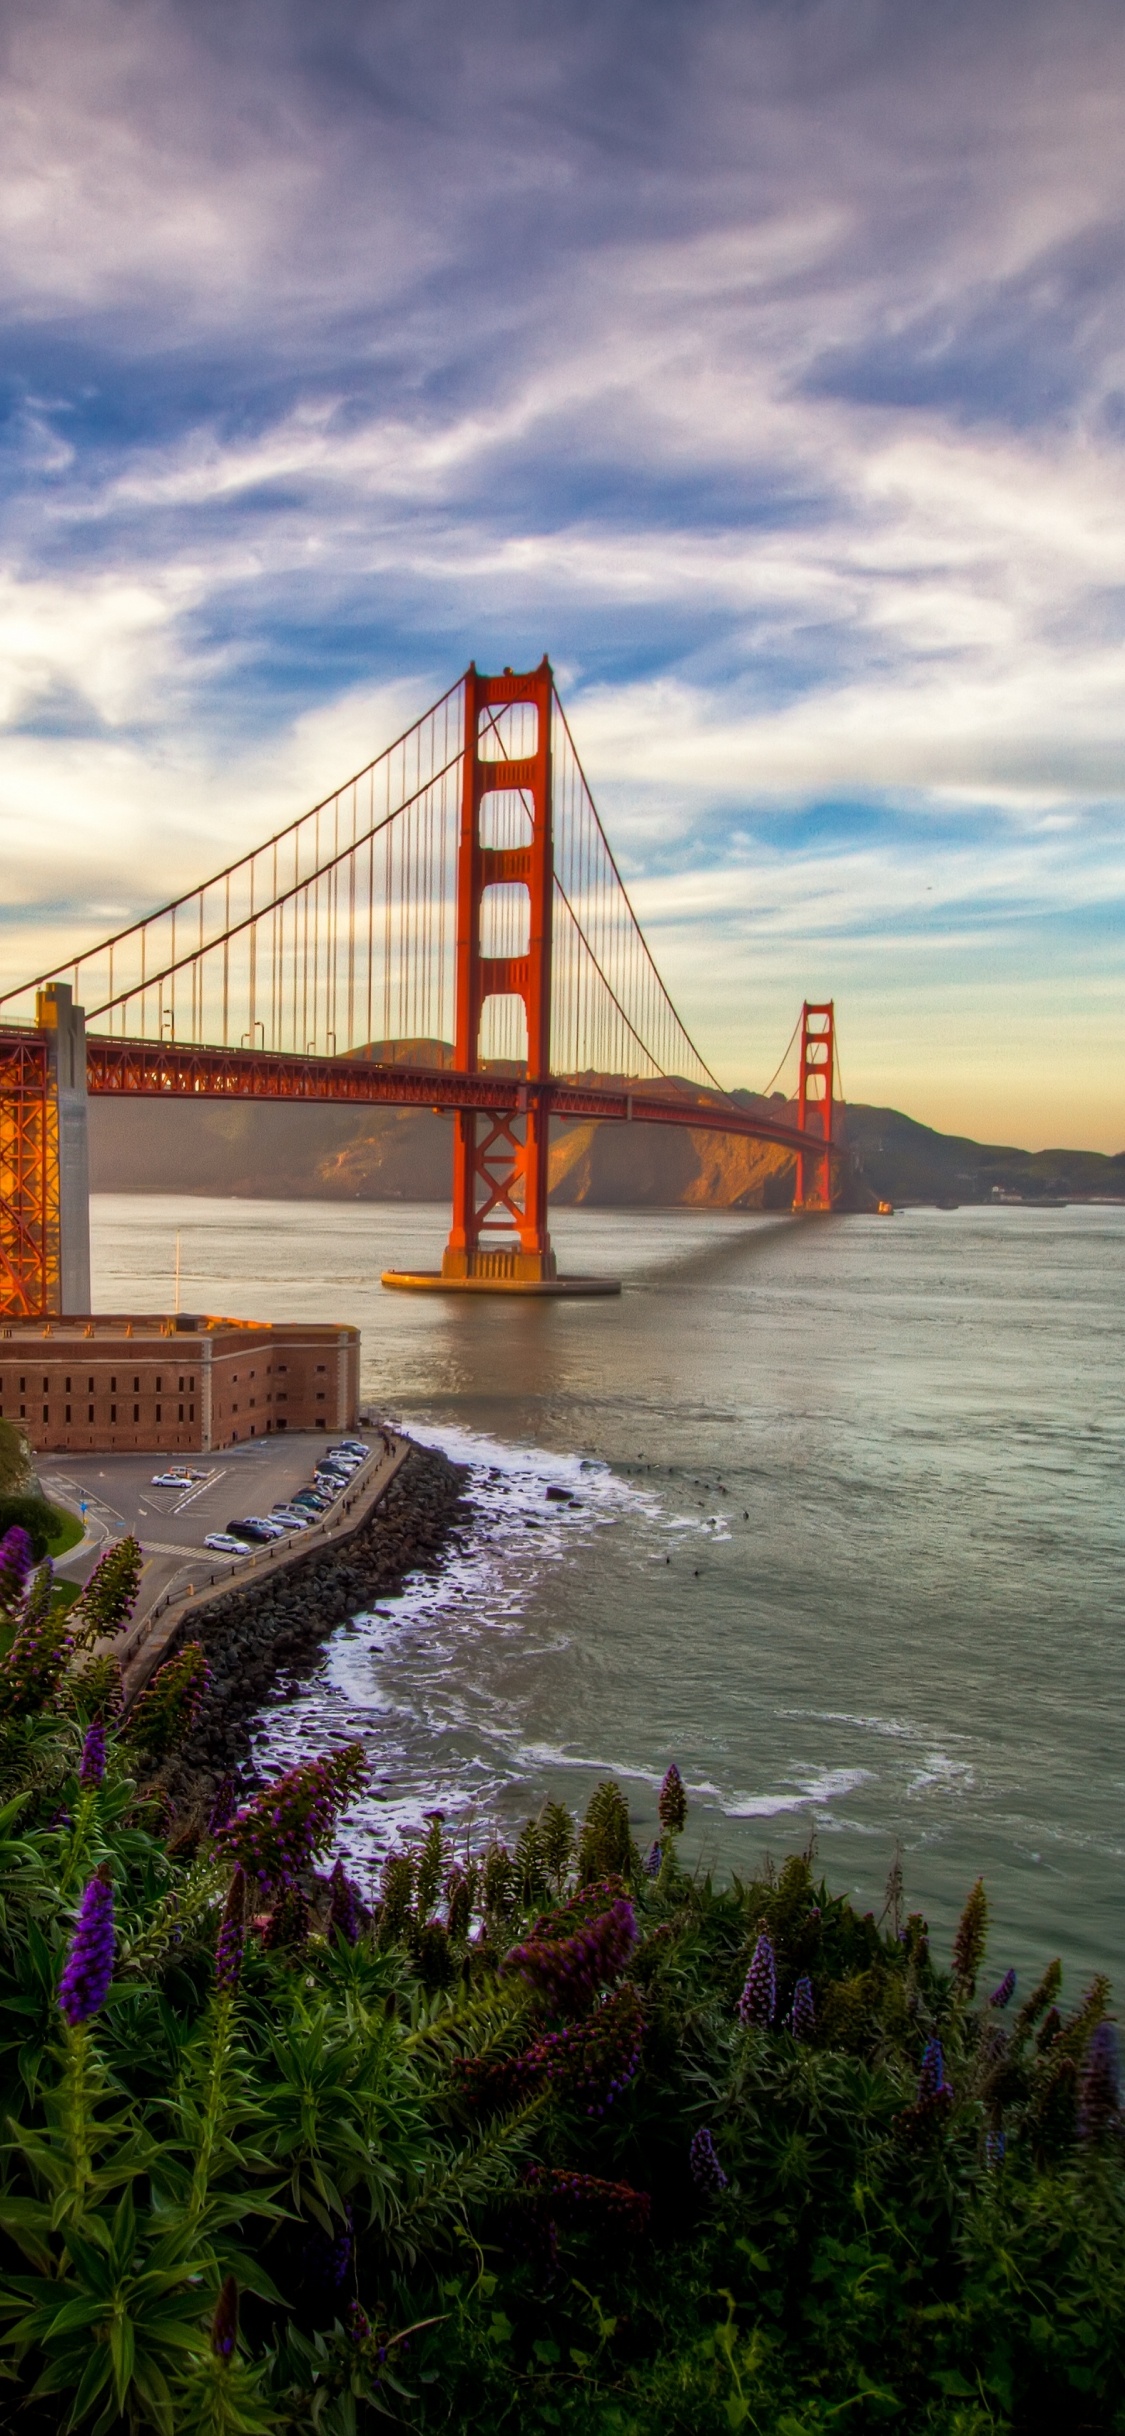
point(448, 930)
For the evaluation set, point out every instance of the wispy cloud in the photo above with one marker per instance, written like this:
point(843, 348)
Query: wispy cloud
point(764, 365)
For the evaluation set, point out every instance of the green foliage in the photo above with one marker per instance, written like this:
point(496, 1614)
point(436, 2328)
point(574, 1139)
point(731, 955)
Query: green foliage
point(384, 2183)
point(166, 1712)
point(606, 1849)
point(17, 1471)
point(109, 1597)
point(43, 1523)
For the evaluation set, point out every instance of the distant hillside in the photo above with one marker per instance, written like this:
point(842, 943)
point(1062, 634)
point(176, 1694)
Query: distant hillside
point(904, 1161)
point(262, 1150)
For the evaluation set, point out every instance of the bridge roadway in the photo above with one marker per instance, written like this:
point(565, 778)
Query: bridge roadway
point(142, 1069)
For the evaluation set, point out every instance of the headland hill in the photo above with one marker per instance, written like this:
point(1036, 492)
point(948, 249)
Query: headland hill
point(269, 1150)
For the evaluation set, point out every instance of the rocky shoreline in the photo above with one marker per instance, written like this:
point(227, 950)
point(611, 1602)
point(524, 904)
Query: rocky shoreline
point(257, 1635)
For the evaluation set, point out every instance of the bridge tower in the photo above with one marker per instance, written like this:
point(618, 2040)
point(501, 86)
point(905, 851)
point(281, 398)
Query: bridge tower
point(815, 1095)
point(44, 1164)
point(500, 1162)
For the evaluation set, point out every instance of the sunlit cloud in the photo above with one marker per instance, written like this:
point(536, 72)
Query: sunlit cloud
point(763, 366)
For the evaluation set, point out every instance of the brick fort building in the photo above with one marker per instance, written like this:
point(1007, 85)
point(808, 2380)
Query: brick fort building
point(187, 1384)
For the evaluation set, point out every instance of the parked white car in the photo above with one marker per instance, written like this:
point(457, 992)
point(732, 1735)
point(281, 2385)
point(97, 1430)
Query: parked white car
point(224, 1544)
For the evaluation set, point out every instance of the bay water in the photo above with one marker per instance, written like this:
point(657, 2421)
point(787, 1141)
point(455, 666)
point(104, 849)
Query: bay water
point(844, 1536)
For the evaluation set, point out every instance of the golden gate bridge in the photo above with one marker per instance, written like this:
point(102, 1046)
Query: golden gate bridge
point(448, 930)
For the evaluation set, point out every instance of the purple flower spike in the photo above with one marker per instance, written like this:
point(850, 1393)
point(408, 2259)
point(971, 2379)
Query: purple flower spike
point(994, 2147)
point(224, 2324)
point(671, 1804)
point(654, 1862)
point(280, 1830)
point(706, 2171)
point(802, 2019)
point(232, 1937)
point(358, 2322)
point(91, 1767)
point(931, 2078)
point(343, 1912)
point(1003, 1995)
point(15, 1565)
point(1099, 2094)
point(758, 2001)
point(568, 1971)
point(224, 1804)
point(89, 1965)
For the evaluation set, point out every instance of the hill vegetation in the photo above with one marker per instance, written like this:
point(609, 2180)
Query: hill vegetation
point(391, 1154)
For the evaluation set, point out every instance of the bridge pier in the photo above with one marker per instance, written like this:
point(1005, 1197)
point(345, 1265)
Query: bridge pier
point(64, 1026)
point(44, 1163)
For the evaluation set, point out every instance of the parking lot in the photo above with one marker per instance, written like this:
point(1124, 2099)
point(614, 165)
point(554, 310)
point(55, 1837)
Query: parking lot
point(172, 1524)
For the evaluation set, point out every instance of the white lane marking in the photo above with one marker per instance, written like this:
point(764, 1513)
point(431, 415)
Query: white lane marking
point(171, 1547)
point(211, 1482)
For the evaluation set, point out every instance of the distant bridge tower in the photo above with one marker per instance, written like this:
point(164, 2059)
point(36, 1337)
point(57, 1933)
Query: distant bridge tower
point(500, 1170)
point(815, 1095)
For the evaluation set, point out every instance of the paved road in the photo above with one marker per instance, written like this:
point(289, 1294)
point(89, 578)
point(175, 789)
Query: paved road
point(171, 1524)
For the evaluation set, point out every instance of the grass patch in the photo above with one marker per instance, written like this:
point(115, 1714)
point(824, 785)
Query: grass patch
point(70, 1531)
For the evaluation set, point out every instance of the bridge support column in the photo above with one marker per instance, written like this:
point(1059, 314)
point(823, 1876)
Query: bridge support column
point(44, 1164)
point(500, 1167)
point(64, 1027)
point(815, 1094)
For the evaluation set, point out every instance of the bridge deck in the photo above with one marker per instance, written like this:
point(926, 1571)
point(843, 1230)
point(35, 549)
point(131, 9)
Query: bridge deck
point(139, 1069)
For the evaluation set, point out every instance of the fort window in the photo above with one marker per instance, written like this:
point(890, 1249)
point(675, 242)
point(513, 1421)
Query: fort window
point(68, 1392)
point(90, 1413)
point(46, 1385)
point(46, 1413)
point(181, 1412)
point(23, 1412)
point(113, 1412)
point(191, 1412)
point(136, 1392)
point(68, 1412)
point(23, 1384)
point(157, 1413)
point(89, 1391)
point(159, 1383)
point(113, 1388)
point(136, 1412)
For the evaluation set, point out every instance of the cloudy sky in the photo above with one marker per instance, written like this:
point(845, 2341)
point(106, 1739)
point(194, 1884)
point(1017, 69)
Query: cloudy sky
point(761, 360)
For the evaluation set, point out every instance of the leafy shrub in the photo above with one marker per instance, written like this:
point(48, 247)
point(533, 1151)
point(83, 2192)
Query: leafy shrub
point(41, 1521)
point(697, 2158)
